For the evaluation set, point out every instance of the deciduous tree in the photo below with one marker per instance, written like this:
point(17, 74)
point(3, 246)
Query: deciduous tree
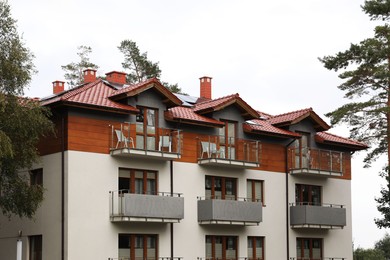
point(22, 122)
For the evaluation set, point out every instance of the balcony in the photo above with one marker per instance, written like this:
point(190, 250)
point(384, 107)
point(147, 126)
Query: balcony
point(230, 152)
point(232, 212)
point(128, 207)
point(136, 140)
point(148, 258)
point(325, 216)
point(322, 258)
point(315, 162)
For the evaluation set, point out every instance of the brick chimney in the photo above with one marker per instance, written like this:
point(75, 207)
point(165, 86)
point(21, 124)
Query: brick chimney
point(89, 75)
point(58, 86)
point(116, 77)
point(205, 87)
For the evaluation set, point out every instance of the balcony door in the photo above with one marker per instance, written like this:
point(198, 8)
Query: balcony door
point(309, 249)
point(227, 140)
point(302, 151)
point(221, 247)
point(146, 130)
point(307, 195)
point(137, 247)
point(221, 188)
point(137, 181)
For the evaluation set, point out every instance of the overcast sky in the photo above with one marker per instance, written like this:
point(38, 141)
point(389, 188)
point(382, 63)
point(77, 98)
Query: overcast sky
point(267, 51)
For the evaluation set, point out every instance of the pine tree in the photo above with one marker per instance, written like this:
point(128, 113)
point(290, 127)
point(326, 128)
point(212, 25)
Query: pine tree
point(23, 122)
point(74, 71)
point(366, 74)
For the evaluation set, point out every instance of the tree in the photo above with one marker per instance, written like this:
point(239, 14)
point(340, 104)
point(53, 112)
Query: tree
point(23, 122)
point(366, 71)
point(139, 67)
point(74, 71)
point(384, 245)
point(368, 254)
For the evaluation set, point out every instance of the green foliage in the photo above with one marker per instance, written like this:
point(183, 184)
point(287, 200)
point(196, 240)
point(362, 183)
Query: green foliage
point(23, 122)
point(139, 68)
point(368, 254)
point(16, 67)
point(366, 74)
point(384, 245)
point(377, 9)
point(74, 71)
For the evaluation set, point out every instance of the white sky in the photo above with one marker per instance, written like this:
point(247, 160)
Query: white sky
point(264, 50)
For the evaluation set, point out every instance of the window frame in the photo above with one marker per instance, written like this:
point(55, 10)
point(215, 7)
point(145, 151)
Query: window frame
point(132, 238)
point(225, 240)
point(301, 240)
point(36, 177)
point(253, 195)
point(223, 187)
point(132, 180)
point(35, 244)
point(299, 194)
point(254, 252)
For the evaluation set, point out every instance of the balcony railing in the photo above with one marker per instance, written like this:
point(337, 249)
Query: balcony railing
point(161, 207)
point(324, 216)
point(315, 162)
point(239, 211)
point(137, 140)
point(232, 152)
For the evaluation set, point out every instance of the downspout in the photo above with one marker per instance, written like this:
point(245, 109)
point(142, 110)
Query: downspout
point(287, 206)
point(171, 224)
point(63, 186)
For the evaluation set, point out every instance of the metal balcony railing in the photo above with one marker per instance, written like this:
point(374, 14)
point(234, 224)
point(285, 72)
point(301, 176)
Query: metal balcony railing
point(233, 151)
point(315, 161)
point(137, 139)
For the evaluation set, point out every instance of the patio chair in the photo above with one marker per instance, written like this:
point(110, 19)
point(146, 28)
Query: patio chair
point(211, 149)
point(123, 139)
point(165, 143)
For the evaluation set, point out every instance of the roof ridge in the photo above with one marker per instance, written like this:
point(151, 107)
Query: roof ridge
point(292, 112)
point(212, 100)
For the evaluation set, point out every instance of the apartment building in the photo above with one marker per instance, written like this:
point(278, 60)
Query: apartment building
point(137, 172)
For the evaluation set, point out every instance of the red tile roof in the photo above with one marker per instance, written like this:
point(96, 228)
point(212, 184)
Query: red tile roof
point(132, 90)
point(94, 94)
point(328, 138)
point(188, 115)
point(264, 127)
point(221, 103)
point(297, 116)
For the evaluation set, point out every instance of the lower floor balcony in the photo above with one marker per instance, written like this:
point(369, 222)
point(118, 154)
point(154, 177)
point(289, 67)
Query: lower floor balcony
point(232, 212)
point(162, 207)
point(324, 216)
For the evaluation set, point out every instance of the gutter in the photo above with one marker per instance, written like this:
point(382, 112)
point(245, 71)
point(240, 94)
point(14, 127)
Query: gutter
point(63, 186)
point(171, 225)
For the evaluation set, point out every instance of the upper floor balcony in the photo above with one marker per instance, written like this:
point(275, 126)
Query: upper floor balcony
point(231, 152)
point(239, 211)
point(315, 162)
point(138, 140)
point(129, 207)
point(324, 216)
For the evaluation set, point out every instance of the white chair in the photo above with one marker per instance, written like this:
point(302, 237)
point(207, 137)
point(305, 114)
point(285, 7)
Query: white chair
point(210, 149)
point(123, 139)
point(165, 142)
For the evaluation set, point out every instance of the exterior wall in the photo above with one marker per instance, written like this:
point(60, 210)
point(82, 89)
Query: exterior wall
point(47, 221)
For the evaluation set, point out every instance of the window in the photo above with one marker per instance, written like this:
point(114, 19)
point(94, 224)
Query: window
point(146, 128)
point(221, 188)
point(35, 246)
point(307, 194)
point(255, 248)
point(227, 139)
point(254, 190)
point(137, 181)
point(134, 247)
point(36, 177)
point(302, 151)
point(221, 247)
point(309, 248)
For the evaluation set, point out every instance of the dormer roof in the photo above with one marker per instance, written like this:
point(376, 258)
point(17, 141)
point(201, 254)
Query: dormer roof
point(331, 139)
